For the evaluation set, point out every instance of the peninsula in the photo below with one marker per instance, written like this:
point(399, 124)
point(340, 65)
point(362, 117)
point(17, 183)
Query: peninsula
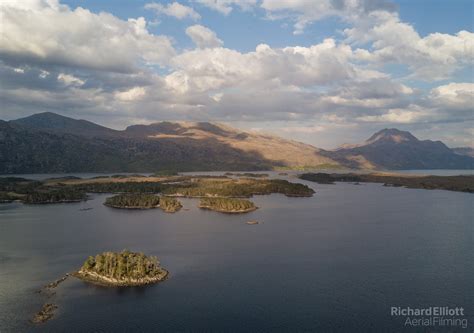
point(122, 269)
point(463, 183)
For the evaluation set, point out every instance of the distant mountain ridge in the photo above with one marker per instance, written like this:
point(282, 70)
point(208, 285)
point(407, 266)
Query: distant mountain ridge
point(466, 151)
point(47, 142)
point(393, 149)
point(52, 122)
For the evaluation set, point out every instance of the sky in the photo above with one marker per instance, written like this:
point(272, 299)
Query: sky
point(325, 72)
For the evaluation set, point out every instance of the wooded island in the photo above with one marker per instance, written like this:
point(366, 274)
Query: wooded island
point(122, 269)
point(227, 205)
point(143, 201)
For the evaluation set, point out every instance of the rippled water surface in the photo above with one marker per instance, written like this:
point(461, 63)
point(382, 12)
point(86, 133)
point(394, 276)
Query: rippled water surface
point(334, 262)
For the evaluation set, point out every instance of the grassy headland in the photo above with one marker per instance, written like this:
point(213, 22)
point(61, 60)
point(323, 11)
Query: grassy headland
point(244, 188)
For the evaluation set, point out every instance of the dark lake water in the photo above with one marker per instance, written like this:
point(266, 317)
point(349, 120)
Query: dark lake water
point(334, 262)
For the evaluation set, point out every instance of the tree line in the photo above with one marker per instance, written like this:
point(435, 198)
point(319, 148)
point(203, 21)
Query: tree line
point(123, 265)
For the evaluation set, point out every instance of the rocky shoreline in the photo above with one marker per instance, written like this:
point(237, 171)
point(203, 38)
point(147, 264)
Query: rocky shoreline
point(54, 284)
point(48, 202)
point(45, 314)
point(166, 210)
point(105, 281)
point(241, 211)
point(131, 207)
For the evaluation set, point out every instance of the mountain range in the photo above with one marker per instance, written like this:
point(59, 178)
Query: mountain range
point(48, 142)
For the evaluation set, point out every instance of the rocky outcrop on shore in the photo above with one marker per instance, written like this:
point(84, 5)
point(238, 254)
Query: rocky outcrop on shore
point(45, 314)
point(47, 311)
point(102, 280)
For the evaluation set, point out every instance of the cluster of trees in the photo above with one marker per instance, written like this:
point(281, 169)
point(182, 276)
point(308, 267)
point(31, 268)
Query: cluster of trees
point(143, 200)
point(236, 188)
point(169, 204)
point(326, 178)
point(133, 201)
point(227, 204)
point(285, 187)
point(54, 195)
point(203, 188)
point(123, 265)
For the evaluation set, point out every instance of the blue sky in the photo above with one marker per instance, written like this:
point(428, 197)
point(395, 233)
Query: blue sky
point(323, 72)
point(244, 30)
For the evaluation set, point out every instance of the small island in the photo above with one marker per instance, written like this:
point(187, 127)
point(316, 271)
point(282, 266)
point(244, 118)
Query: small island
point(122, 269)
point(227, 205)
point(143, 201)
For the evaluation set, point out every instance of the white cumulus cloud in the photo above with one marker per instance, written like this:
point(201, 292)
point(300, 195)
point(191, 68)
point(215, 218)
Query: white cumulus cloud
point(45, 32)
point(68, 79)
point(131, 95)
point(226, 6)
point(434, 57)
point(174, 9)
point(203, 37)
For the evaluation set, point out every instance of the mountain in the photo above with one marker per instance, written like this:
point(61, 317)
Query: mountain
point(281, 152)
point(466, 151)
point(55, 123)
point(47, 142)
point(23, 150)
point(397, 150)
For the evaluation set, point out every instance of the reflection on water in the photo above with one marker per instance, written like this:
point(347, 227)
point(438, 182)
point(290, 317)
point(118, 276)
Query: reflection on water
point(335, 261)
